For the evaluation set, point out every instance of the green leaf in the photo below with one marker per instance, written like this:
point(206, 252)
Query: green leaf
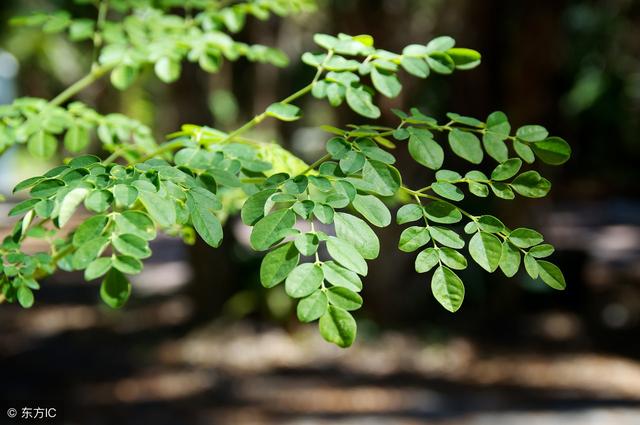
point(531, 266)
point(97, 268)
point(132, 245)
point(361, 102)
point(440, 44)
point(470, 121)
point(339, 276)
point(524, 151)
point(115, 289)
point(490, 224)
point(338, 327)
point(415, 66)
point(542, 251)
point(506, 170)
point(524, 238)
point(70, 203)
point(532, 133)
point(553, 151)
point(160, 209)
point(76, 139)
point(352, 162)
point(253, 208)
point(344, 298)
point(502, 190)
point(167, 69)
point(447, 288)
point(551, 275)
point(358, 233)
point(123, 76)
point(283, 111)
point(90, 229)
point(466, 145)
point(127, 264)
point(409, 213)
point(424, 150)
point(382, 178)
point(277, 265)
point(385, 82)
point(510, 259)
point(412, 238)
point(452, 258)
point(441, 63)
point(204, 220)
point(531, 184)
point(486, 250)
point(42, 145)
point(426, 260)
point(23, 207)
point(373, 209)
point(442, 212)
point(312, 307)
point(136, 223)
point(25, 296)
point(46, 188)
point(125, 195)
point(464, 58)
point(448, 190)
point(89, 251)
point(272, 228)
point(304, 280)
point(98, 201)
point(307, 243)
point(446, 237)
point(345, 254)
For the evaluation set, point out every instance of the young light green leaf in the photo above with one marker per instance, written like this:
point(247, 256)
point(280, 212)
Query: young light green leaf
point(136, 223)
point(167, 69)
point(542, 251)
point(42, 145)
point(76, 139)
point(160, 209)
point(524, 151)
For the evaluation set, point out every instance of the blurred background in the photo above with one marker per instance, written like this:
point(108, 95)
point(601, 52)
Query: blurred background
point(201, 342)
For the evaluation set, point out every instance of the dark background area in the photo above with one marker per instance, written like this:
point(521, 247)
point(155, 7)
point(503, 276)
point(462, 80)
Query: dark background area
point(202, 342)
